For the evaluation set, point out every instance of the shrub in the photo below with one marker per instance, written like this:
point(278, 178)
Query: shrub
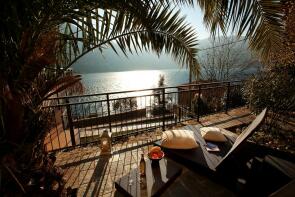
point(273, 88)
point(126, 104)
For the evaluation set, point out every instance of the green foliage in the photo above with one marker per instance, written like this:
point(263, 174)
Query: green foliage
point(200, 106)
point(207, 105)
point(161, 82)
point(124, 105)
point(158, 97)
point(236, 97)
point(272, 89)
point(27, 78)
point(161, 102)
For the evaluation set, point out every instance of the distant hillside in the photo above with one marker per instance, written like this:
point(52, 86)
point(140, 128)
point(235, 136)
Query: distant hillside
point(109, 61)
point(226, 59)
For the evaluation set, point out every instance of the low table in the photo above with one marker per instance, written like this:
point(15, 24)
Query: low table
point(158, 178)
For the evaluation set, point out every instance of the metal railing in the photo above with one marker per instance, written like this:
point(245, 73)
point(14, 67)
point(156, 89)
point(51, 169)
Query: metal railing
point(79, 120)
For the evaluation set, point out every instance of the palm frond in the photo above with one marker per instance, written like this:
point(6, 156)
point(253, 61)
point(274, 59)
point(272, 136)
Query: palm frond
point(214, 14)
point(260, 21)
point(81, 26)
point(155, 28)
point(63, 83)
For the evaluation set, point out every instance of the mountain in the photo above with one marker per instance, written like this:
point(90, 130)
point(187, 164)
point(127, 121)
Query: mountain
point(109, 61)
point(227, 58)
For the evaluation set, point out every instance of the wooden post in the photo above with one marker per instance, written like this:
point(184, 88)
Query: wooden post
point(178, 103)
point(190, 92)
point(198, 102)
point(179, 114)
point(70, 121)
point(109, 113)
point(163, 108)
point(227, 97)
point(190, 99)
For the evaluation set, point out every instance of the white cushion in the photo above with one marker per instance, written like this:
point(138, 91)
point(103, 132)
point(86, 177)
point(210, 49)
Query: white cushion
point(179, 139)
point(213, 134)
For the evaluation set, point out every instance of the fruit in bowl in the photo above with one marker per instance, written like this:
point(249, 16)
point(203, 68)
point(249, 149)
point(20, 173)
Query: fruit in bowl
point(156, 153)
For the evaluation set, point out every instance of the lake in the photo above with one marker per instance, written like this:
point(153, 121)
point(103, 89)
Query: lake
point(132, 80)
point(96, 83)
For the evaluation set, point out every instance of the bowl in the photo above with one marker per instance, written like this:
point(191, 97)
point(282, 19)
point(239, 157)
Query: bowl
point(156, 156)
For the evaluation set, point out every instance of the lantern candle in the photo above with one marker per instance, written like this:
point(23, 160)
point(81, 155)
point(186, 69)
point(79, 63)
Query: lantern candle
point(106, 143)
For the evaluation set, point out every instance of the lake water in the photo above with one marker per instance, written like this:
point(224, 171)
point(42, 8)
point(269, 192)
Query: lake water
point(132, 80)
point(96, 83)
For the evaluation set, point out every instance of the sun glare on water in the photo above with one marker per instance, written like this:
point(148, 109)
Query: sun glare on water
point(138, 80)
point(110, 82)
point(135, 80)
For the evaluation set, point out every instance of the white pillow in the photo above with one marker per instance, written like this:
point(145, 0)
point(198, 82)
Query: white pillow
point(179, 139)
point(212, 134)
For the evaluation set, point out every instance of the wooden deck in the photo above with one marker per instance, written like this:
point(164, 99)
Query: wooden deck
point(59, 138)
point(234, 118)
point(94, 175)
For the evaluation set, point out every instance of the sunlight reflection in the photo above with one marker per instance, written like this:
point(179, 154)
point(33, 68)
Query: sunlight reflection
point(134, 80)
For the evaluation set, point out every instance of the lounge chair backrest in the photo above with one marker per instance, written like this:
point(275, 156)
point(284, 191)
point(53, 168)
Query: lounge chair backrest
point(245, 135)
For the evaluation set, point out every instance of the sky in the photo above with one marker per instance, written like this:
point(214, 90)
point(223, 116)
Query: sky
point(194, 16)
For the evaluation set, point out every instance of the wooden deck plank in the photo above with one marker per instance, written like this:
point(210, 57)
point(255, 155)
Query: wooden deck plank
point(60, 138)
point(94, 175)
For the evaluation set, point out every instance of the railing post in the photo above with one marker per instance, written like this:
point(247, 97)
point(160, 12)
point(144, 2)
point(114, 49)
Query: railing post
point(163, 108)
point(175, 115)
point(227, 97)
point(179, 114)
point(70, 121)
point(198, 102)
point(178, 104)
point(109, 113)
point(190, 98)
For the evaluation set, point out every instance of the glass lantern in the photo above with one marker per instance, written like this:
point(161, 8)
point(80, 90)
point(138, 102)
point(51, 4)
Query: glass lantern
point(106, 143)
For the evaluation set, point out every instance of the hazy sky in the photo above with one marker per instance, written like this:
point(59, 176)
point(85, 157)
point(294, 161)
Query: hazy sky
point(194, 16)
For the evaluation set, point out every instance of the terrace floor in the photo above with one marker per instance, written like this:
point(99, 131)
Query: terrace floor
point(94, 175)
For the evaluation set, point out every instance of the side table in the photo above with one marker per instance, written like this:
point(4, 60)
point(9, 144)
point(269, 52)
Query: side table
point(158, 178)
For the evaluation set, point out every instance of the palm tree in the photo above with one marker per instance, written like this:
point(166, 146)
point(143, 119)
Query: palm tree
point(260, 21)
point(49, 36)
point(42, 38)
point(132, 27)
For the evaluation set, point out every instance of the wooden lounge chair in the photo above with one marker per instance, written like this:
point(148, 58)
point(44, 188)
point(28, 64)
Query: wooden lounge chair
point(227, 158)
point(271, 175)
